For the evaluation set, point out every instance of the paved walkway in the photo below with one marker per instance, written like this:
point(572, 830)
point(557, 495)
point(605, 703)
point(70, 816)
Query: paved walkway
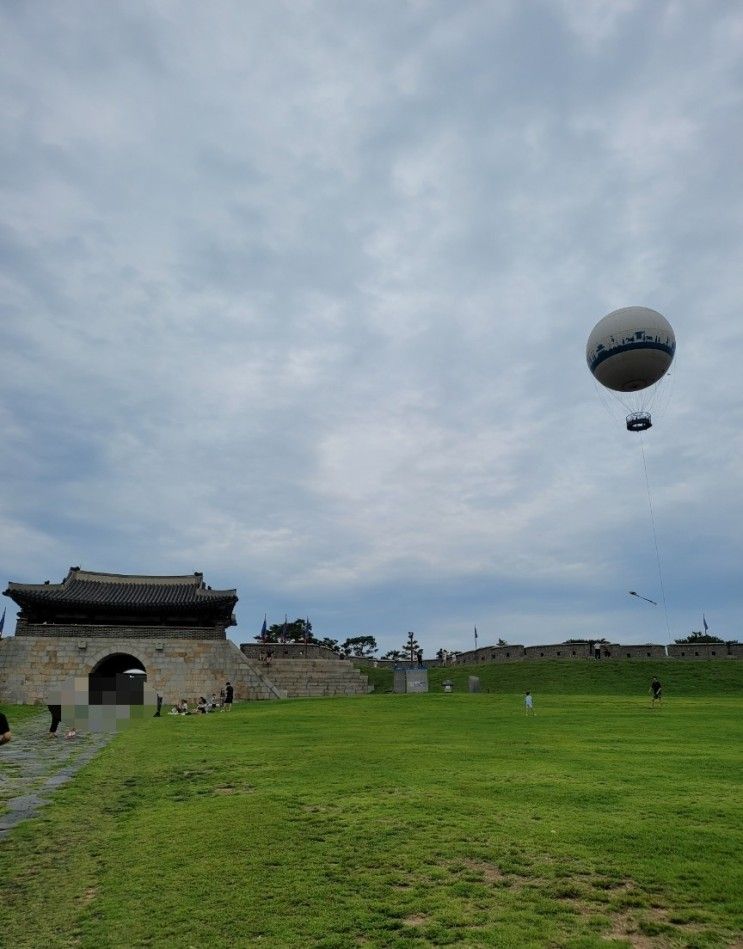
point(32, 766)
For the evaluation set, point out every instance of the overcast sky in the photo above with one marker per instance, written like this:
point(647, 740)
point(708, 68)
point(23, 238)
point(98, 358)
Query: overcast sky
point(297, 295)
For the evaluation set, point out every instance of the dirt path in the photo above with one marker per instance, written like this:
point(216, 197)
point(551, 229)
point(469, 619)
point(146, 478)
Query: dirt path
point(33, 765)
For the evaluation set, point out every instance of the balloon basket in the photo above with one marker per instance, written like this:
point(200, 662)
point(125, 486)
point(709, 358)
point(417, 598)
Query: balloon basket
point(639, 422)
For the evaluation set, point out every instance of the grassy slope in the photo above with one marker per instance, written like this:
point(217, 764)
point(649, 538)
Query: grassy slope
point(708, 677)
point(434, 818)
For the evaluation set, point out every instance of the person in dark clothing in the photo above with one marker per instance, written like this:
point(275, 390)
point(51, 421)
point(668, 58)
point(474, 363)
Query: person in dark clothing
point(159, 698)
point(655, 691)
point(229, 694)
point(419, 656)
point(56, 712)
point(5, 734)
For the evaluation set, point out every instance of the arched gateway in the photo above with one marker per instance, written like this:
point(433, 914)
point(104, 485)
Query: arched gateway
point(118, 679)
point(98, 626)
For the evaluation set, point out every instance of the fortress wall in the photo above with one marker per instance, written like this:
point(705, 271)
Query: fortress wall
point(648, 651)
point(31, 667)
point(503, 653)
point(698, 651)
point(615, 651)
point(289, 651)
point(490, 654)
point(559, 651)
point(89, 632)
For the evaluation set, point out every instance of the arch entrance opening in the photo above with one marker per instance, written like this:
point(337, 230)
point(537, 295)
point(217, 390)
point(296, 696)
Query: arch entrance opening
point(118, 679)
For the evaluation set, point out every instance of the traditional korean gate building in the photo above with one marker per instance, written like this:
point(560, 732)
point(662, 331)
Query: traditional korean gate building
point(98, 625)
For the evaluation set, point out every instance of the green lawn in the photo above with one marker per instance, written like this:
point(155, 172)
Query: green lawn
point(586, 677)
point(20, 713)
point(391, 820)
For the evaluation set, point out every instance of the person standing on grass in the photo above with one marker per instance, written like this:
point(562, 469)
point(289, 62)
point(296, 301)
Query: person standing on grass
point(229, 693)
point(655, 691)
point(528, 704)
point(159, 699)
point(5, 734)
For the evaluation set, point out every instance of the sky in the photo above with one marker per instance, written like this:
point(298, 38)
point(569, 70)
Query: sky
point(296, 294)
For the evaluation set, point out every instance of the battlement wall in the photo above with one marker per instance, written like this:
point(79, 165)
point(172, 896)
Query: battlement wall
point(90, 632)
point(575, 651)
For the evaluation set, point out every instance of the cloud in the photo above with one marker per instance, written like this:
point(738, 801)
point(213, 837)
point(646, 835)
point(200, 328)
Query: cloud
point(298, 296)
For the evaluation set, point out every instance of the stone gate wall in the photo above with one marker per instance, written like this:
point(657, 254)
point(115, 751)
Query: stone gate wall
point(90, 632)
point(31, 667)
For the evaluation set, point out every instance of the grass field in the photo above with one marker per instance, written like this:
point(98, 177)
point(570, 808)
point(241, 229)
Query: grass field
point(392, 820)
point(586, 677)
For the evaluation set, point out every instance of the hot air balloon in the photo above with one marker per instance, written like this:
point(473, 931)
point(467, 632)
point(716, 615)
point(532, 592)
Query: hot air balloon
point(629, 351)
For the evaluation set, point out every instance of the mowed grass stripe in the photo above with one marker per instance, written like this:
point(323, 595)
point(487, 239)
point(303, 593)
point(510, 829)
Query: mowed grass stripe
point(395, 819)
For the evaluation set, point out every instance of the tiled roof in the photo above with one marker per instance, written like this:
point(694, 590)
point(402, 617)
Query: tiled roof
point(85, 588)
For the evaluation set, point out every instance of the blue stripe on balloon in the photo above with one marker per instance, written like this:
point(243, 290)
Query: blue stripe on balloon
point(626, 347)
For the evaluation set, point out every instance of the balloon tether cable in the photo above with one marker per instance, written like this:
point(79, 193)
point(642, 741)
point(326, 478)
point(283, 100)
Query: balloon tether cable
point(655, 538)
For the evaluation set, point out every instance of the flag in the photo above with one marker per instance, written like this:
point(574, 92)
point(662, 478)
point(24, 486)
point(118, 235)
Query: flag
point(263, 629)
point(306, 630)
point(284, 630)
point(706, 627)
point(2, 621)
point(475, 633)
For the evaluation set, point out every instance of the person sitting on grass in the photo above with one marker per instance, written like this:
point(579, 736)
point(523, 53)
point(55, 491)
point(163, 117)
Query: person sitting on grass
point(201, 707)
point(214, 704)
point(5, 735)
point(183, 707)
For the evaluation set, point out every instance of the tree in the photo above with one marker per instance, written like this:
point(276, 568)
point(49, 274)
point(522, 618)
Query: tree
point(394, 654)
point(411, 648)
point(699, 637)
point(595, 639)
point(329, 643)
point(360, 646)
point(294, 632)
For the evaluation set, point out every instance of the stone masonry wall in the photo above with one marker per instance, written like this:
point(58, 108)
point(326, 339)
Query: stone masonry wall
point(289, 651)
point(698, 651)
point(88, 632)
point(30, 667)
point(560, 651)
point(648, 651)
point(608, 651)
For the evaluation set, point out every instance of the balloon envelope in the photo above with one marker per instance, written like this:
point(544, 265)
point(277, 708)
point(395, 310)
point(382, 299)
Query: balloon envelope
point(630, 349)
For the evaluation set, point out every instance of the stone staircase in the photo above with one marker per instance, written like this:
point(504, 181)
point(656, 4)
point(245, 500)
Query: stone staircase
point(299, 678)
point(250, 679)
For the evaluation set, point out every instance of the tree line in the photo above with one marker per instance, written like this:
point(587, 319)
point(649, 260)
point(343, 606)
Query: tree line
point(365, 647)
